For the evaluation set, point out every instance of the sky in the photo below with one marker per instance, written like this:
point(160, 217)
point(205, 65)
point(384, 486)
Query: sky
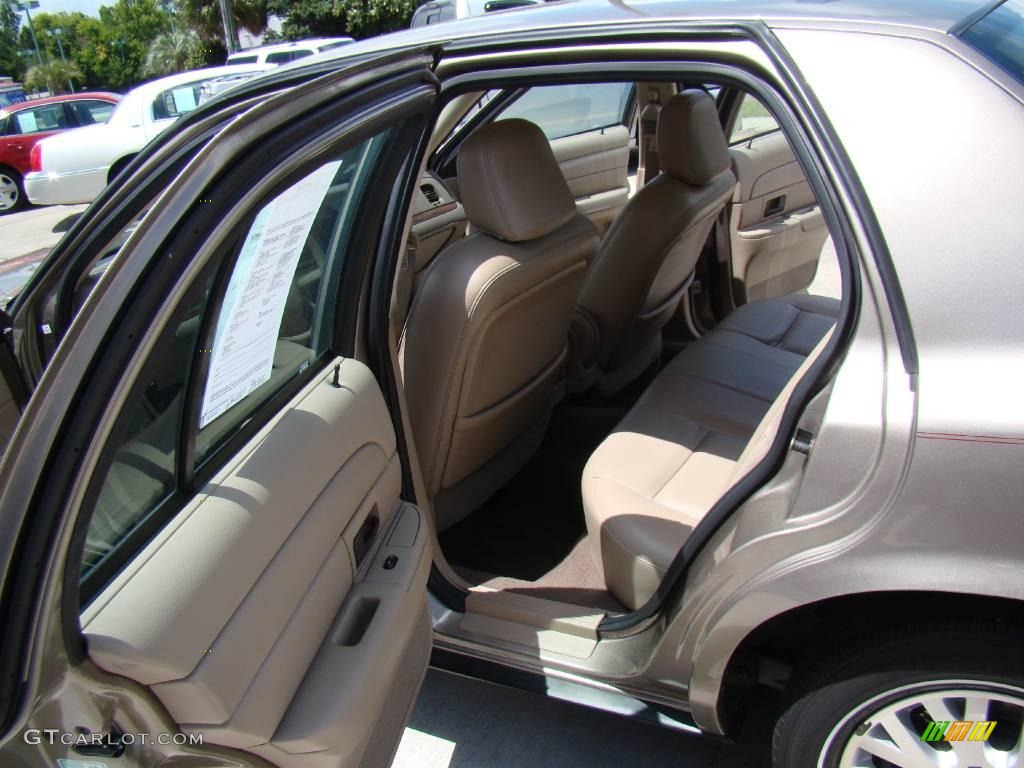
point(90, 7)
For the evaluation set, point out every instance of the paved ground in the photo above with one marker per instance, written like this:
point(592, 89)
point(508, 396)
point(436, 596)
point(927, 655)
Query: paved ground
point(463, 723)
point(34, 228)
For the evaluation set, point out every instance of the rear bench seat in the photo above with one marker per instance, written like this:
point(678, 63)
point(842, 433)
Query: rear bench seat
point(704, 422)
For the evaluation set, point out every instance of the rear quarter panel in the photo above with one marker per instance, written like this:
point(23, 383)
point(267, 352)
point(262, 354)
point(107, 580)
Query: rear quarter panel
point(914, 482)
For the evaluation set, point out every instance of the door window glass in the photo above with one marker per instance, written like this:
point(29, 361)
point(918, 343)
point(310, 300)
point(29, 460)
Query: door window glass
point(1000, 36)
point(275, 316)
point(270, 317)
point(141, 475)
point(49, 117)
point(564, 110)
point(753, 119)
point(92, 111)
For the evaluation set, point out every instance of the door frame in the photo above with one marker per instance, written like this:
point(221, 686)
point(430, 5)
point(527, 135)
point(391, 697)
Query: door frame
point(52, 456)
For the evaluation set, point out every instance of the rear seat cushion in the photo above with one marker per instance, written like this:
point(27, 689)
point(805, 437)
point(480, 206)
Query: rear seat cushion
point(675, 453)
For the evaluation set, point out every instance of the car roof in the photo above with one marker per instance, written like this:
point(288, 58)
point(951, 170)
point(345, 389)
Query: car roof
point(932, 15)
point(163, 83)
point(312, 42)
point(104, 95)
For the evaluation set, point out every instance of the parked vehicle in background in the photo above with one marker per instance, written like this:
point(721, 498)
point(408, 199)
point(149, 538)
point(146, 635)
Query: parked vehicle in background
point(10, 92)
point(439, 11)
point(75, 166)
point(25, 124)
point(282, 53)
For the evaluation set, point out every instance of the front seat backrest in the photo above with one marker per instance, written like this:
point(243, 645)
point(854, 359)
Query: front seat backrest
point(648, 255)
point(484, 349)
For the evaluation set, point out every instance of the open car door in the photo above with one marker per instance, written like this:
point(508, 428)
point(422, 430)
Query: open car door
point(205, 552)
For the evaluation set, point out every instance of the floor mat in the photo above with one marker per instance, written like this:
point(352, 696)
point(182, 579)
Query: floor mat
point(574, 580)
point(531, 525)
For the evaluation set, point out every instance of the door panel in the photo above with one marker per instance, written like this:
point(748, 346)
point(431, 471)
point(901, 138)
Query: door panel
point(265, 615)
point(776, 227)
point(596, 165)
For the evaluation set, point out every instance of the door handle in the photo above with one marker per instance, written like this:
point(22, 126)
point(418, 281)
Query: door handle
point(775, 205)
point(101, 745)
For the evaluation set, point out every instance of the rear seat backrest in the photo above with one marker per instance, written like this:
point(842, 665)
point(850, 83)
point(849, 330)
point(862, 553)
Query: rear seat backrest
point(702, 425)
point(647, 257)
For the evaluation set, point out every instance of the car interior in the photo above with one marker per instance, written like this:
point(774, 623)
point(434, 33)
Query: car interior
point(603, 305)
point(579, 396)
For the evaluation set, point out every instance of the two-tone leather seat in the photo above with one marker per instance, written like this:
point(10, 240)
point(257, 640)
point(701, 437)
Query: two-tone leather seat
point(704, 422)
point(648, 256)
point(484, 349)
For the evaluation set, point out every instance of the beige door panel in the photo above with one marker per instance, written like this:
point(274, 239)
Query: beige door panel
point(776, 227)
point(267, 597)
point(596, 166)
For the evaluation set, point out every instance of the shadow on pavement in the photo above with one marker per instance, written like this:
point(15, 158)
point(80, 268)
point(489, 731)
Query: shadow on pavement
point(458, 723)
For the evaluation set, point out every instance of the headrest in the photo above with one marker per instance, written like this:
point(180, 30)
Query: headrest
point(691, 144)
point(510, 183)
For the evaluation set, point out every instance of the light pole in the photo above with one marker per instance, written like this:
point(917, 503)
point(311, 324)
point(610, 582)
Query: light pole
point(25, 6)
point(56, 33)
point(227, 17)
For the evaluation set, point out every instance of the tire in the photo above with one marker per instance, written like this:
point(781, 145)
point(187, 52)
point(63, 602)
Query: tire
point(870, 704)
point(117, 167)
point(12, 191)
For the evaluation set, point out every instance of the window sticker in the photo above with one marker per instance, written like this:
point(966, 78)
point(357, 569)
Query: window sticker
point(242, 355)
point(27, 121)
point(184, 99)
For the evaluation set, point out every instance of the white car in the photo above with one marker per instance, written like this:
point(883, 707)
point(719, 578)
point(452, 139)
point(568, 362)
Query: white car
point(282, 53)
point(74, 166)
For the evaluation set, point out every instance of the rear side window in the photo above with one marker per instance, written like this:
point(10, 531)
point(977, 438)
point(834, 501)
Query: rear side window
point(565, 110)
point(283, 57)
point(92, 111)
point(243, 59)
point(753, 120)
point(175, 102)
point(49, 117)
point(1000, 36)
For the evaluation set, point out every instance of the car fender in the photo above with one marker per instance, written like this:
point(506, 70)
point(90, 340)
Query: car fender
point(713, 646)
point(94, 146)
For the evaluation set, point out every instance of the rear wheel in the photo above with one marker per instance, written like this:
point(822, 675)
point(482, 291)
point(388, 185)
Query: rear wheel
point(12, 193)
point(874, 706)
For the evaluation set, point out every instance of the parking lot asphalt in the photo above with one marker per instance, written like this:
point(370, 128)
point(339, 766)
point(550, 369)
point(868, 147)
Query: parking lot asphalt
point(35, 228)
point(463, 723)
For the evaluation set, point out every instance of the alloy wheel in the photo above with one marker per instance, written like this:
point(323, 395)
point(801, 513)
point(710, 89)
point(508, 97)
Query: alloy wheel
point(9, 192)
point(898, 733)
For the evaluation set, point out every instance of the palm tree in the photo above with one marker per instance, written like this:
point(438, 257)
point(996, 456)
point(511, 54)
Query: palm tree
point(203, 16)
point(170, 52)
point(54, 76)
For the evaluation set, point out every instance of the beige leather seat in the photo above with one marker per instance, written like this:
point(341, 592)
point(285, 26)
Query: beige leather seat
point(483, 354)
point(705, 421)
point(648, 255)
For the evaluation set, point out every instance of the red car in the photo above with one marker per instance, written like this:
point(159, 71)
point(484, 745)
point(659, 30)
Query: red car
point(23, 125)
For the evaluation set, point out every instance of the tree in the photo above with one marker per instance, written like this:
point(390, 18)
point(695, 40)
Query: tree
point(330, 18)
point(173, 51)
point(203, 16)
point(131, 25)
point(53, 76)
point(11, 62)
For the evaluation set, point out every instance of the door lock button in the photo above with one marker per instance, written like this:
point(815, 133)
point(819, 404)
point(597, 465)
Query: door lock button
point(390, 562)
